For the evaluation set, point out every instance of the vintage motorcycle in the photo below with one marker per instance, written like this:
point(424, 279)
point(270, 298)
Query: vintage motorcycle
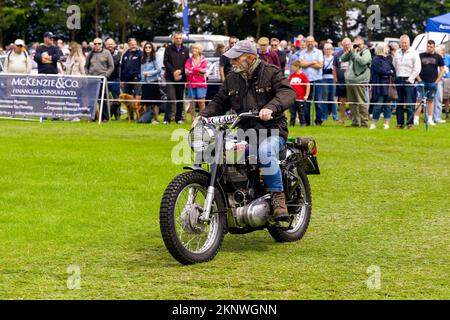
point(214, 197)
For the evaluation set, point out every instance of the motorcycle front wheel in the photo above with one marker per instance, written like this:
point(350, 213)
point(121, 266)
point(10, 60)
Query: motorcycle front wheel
point(187, 237)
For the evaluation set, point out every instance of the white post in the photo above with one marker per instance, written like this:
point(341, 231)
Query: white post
point(101, 101)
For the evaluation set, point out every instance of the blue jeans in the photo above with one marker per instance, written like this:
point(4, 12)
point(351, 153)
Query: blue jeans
point(437, 112)
point(328, 94)
point(316, 95)
point(268, 153)
point(406, 100)
point(378, 108)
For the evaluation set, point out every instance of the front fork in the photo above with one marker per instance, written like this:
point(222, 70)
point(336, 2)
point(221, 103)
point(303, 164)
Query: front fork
point(218, 157)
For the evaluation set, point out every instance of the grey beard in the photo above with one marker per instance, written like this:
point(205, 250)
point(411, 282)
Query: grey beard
point(246, 69)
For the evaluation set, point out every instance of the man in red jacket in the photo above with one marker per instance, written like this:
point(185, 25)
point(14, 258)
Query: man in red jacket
point(267, 55)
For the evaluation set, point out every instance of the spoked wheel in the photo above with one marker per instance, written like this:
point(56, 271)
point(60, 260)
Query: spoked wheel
point(188, 237)
point(300, 211)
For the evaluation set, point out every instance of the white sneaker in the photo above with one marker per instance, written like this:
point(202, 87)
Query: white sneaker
point(155, 122)
point(386, 126)
point(441, 121)
point(165, 122)
point(431, 122)
point(416, 120)
point(180, 122)
point(372, 126)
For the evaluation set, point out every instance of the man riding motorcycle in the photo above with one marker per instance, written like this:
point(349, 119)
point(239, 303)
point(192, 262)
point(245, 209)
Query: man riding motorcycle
point(257, 85)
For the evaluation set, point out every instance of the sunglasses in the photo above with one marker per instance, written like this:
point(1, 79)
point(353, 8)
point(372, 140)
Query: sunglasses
point(19, 45)
point(98, 44)
point(274, 45)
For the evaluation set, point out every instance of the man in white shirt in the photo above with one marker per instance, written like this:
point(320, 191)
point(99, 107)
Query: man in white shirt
point(18, 60)
point(407, 66)
point(311, 60)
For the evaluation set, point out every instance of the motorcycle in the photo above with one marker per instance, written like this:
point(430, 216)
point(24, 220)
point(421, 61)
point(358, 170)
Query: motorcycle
point(214, 197)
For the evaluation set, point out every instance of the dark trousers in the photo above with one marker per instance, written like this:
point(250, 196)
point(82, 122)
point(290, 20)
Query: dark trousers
point(114, 90)
point(174, 92)
point(298, 108)
point(316, 95)
point(406, 100)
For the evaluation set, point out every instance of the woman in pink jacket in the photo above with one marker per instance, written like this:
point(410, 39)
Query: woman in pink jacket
point(195, 69)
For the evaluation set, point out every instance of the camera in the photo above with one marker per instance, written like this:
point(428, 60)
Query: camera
point(355, 46)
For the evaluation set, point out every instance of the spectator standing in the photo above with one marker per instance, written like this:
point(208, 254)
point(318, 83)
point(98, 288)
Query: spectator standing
point(438, 98)
point(130, 70)
point(382, 71)
point(151, 71)
point(175, 57)
point(18, 60)
point(100, 63)
point(300, 83)
point(329, 87)
point(311, 60)
point(196, 67)
point(407, 67)
point(220, 50)
point(446, 87)
point(225, 65)
point(357, 78)
point(275, 47)
point(295, 55)
point(339, 69)
point(267, 55)
point(430, 75)
point(48, 55)
point(75, 62)
point(114, 78)
point(85, 48)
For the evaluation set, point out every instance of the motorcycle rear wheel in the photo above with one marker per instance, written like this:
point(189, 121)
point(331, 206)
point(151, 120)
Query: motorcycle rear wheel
point(188, 239)
point(301, 219)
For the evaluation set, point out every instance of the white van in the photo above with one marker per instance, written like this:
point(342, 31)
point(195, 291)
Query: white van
point(420, 42)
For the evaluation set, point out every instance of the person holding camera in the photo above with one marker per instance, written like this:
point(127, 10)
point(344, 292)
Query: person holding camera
point(357, 78)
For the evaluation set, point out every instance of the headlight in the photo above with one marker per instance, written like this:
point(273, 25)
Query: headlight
point(201, 136)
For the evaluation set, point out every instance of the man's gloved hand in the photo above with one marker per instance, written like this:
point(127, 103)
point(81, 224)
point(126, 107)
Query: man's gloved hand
point(265, 114)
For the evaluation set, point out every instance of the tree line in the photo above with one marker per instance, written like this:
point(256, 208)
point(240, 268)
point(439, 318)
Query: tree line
point(144, 19)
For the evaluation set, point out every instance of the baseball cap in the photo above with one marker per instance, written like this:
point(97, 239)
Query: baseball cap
point(19, 42)
point(264, 41)
point(240, 48)
point(49, 35)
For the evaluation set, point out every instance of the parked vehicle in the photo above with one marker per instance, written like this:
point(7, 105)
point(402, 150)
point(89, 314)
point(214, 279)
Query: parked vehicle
point(200, 206)
point(420, 41)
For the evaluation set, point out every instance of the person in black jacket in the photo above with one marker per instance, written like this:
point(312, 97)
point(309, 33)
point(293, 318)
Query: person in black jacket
point(382, 71)
point(255, 85)
point(114, 78)
point(48, 55)
point(175, 57)
point(130, 70)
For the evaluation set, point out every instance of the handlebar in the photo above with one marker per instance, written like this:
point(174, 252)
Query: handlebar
point(231, 119)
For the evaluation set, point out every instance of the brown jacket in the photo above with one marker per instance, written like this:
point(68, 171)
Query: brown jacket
point(267, 88)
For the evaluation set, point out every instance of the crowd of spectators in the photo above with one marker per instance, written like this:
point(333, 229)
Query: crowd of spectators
point(370, 81)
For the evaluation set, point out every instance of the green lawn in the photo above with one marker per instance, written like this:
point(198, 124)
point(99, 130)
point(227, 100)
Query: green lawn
point(88, 195)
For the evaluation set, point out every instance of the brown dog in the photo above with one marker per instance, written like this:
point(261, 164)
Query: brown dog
point(131, 105)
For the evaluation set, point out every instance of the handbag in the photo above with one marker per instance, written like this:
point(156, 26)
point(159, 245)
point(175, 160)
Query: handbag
point(392, 91)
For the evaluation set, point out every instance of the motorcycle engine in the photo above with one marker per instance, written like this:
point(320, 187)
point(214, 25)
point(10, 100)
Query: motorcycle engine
point(254, 214)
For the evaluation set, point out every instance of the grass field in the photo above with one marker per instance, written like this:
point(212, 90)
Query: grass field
point(88, 195)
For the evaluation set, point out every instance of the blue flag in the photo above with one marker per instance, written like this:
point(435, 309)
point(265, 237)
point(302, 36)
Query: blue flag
point(184, 4)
